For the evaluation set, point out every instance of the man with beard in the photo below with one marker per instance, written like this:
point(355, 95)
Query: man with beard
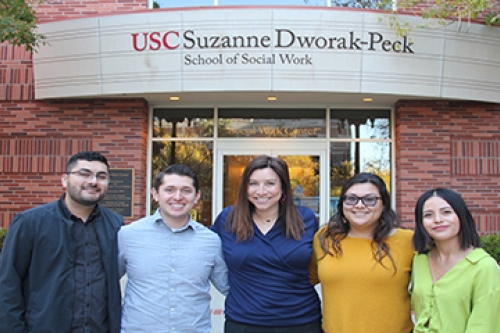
point(58, 267)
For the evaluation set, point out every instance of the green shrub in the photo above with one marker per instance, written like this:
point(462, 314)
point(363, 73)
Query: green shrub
point(491, 244)
point(3, 232)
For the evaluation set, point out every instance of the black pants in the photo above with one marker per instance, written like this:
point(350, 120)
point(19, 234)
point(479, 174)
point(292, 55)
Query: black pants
point(234, 327)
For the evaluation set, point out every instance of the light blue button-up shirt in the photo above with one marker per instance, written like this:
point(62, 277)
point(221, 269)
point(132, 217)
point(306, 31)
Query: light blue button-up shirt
point(169, 273)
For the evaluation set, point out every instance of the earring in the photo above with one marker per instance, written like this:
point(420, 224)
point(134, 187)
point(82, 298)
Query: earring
point(283, 199)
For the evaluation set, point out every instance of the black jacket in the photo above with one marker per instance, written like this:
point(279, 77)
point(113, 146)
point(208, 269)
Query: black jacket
point(36, 270)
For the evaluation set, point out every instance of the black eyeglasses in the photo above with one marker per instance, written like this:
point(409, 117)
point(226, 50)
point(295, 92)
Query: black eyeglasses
point(87, 175)
point(369, 201)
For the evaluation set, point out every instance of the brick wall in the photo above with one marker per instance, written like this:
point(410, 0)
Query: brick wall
point(449, 144)
point(16, 65)
point(37, 138)
point(438, 143)
point(16, 73)
point(67, 9)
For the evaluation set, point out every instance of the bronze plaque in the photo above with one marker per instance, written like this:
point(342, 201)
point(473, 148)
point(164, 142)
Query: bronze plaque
point(120, 195)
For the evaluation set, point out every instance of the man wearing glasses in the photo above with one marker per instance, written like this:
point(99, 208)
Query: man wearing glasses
point(58, 268)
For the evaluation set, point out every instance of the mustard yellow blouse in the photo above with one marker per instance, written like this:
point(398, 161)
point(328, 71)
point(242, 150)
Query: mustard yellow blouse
point(359, 295)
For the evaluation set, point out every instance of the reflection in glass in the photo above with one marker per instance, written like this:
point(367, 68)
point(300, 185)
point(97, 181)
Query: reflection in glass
point(371, 4)
point(350, 158)
point(183, 123)
point(181, 3)
point(272, 123)
point(360, 140)
point(304, 179)
point(198, 156)
point(233, 168)
point(274, 2)
point(354, 124)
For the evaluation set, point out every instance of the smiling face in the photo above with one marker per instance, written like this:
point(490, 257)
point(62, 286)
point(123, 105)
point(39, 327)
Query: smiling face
point(362, 219)
point(264, 190)
point(81, 191)
point(440, 220)
point(176, 196)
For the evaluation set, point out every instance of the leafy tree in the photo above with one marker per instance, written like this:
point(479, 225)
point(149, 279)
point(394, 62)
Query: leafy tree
point(441, 13)
point(491, 244)
point(18, 23)
point(3, 233)
point(196, 154)
point(304, 170)
point(339, 175)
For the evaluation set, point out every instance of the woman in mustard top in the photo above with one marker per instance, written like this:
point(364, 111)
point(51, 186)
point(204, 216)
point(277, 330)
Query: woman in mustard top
point(455, 284)
point(363, 261)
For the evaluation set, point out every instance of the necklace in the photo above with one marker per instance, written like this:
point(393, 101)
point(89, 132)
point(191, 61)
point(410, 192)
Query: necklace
point(264, 224)
point(266, 220)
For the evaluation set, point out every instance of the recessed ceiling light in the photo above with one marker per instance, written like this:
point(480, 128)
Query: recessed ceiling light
point(367, 99)
point(174, 98)
point(272, 98)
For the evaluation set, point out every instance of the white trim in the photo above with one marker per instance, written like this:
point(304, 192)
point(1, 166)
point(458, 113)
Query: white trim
point(149, 161)
point(392, 118)
point(216, 165)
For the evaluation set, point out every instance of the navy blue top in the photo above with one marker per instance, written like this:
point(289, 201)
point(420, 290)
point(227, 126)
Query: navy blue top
point(268, 275)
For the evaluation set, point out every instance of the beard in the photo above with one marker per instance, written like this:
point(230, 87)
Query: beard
point(76, 194)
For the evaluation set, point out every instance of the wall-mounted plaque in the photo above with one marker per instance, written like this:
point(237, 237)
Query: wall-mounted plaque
point(120, 195)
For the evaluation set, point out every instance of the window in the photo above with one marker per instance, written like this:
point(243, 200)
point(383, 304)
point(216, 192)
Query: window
point(355, 141)
point(360, 142)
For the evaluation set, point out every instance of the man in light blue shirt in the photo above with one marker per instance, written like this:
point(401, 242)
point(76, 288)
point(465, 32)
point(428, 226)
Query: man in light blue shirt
point(170, 260)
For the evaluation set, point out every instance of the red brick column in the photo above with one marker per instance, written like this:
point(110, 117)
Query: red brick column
point(16, 73)
point(37, 138)
point(68, 9)
point(449, 144)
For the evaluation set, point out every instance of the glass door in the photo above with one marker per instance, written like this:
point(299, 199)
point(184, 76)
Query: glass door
point(306, 167)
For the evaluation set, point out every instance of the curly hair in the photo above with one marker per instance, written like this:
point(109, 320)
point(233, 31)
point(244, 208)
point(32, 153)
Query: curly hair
point(338, 227)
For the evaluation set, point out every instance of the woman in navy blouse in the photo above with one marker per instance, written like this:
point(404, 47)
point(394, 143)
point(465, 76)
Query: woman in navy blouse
point(267, 245)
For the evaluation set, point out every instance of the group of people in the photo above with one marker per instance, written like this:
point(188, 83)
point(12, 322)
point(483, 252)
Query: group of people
point(61, 262)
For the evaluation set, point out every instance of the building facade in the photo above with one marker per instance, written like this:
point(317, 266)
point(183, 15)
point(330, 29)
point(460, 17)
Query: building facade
point(331, 90)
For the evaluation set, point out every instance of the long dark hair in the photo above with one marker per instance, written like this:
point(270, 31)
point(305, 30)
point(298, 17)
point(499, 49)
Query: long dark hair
point(467, 235)
point(338, 227)
point(239, 220)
